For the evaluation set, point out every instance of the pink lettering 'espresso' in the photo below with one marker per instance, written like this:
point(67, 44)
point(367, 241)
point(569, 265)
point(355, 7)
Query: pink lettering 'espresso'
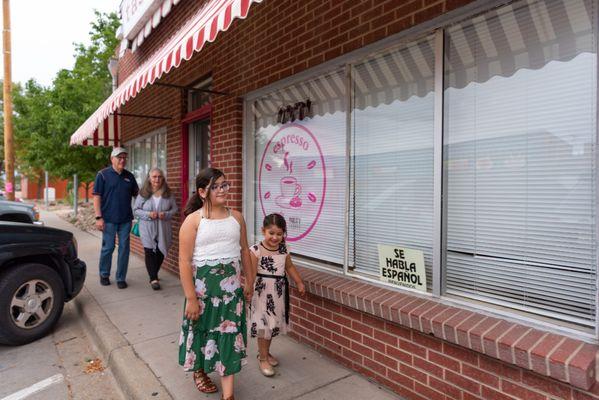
point(294, 139)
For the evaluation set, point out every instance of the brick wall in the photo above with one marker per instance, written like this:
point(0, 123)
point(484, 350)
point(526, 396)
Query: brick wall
point(424, 349)
point(277, 40)
point(415, 365)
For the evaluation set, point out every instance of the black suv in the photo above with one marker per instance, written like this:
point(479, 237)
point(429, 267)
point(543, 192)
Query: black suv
point(39, 271)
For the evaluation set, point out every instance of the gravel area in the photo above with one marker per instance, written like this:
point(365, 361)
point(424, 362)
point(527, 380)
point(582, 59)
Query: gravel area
point(85, 219)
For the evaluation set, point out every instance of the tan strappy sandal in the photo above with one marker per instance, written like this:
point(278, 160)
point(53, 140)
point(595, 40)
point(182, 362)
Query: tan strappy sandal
point(203, 382)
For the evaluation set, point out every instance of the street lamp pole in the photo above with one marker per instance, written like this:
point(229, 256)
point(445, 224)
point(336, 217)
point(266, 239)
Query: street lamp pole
point(9, 154)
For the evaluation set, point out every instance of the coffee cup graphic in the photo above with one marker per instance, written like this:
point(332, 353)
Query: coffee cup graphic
point(290, 192)
point(292, 179)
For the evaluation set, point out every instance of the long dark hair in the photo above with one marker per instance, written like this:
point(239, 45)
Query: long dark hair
point(204, 180)
point(146, 189)
point(277, 220)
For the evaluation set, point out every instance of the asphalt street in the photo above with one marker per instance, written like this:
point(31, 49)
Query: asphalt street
point(62, 365)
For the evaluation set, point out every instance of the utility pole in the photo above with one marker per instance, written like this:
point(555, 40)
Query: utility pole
point(9, 154)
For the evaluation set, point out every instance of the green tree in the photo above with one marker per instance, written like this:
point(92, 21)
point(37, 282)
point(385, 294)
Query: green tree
point(47, 117)
point(31, 109)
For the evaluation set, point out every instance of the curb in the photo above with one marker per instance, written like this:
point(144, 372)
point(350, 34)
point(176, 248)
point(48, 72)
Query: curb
point(134, 377)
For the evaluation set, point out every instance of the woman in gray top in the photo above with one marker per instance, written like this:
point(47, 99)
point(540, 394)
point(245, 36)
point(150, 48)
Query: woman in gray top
point(155, 207)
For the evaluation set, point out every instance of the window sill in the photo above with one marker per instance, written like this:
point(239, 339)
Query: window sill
point(557, 356)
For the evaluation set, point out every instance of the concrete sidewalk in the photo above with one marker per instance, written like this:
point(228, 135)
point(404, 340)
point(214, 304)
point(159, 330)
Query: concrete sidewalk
point(137, 329)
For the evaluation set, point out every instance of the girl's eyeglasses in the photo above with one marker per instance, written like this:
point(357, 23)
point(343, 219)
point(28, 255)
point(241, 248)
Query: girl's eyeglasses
point(225, 186)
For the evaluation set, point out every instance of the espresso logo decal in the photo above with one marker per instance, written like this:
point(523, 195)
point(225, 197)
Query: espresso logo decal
point(292, 179)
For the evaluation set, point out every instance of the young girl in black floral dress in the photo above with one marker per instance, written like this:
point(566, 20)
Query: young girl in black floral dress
point(269, 312)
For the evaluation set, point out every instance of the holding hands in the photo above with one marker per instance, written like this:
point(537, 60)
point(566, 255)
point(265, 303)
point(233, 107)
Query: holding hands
point(248, 291)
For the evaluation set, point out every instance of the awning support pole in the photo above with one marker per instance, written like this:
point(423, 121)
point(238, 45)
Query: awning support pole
point(46, 178)
point(142, 116)
point(191, 89)
point(75, 194)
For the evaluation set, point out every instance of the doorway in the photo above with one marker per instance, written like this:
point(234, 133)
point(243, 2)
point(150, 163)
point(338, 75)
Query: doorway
point(199, 149)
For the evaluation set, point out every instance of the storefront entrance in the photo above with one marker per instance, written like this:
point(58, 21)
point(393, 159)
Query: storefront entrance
point(199, 149)
point(195, 135)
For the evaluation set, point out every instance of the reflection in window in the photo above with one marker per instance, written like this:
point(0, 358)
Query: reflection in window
point(146, 154)
point(392, 154)
point(520, 132)
point(300, 166)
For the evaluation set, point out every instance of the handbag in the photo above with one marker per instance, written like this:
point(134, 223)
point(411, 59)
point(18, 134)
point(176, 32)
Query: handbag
point(135, 228)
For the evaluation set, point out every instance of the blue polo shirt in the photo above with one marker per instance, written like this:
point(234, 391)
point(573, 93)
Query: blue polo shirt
point(115, 191)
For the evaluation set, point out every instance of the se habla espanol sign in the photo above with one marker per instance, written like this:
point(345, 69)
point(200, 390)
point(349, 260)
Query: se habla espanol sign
point(402, 267)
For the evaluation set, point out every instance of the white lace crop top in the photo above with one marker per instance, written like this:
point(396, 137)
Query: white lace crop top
point(217, 239)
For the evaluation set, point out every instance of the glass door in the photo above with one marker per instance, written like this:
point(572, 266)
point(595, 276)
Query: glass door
point(199, 149)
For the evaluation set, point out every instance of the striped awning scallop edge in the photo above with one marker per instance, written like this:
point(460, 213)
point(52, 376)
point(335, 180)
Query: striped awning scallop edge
point(106, 134)
point(152, 23)
point(525, 34)
point(214, 17)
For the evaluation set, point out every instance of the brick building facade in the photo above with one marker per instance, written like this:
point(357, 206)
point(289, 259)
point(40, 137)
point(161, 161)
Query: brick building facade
point(421, 345)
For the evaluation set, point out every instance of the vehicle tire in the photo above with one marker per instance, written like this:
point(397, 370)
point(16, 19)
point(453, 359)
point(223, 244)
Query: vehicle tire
point(31, 302)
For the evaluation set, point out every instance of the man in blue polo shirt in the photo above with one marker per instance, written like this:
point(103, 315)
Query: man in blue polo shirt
point(114, 188)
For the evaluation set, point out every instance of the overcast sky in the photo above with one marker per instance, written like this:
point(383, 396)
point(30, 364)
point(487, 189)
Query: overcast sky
point(43, 33)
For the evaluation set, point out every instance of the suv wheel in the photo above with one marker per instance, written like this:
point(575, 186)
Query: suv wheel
point(31, 301)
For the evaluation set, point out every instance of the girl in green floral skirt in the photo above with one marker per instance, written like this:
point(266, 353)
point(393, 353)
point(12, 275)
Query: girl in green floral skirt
point(212, 240)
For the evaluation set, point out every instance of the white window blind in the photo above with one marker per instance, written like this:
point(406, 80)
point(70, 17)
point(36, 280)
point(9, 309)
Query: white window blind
point(520, 135)
point(392, 155)
point(300, 166)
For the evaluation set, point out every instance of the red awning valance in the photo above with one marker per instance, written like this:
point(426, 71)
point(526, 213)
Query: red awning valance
point(106, 134)
point(215, 16)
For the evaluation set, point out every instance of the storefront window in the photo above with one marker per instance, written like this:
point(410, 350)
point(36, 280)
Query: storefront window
point(473, 148)
point(520, 135)
point(300, 165)
point(147, 153)
point(199, 149)
point(392, 155)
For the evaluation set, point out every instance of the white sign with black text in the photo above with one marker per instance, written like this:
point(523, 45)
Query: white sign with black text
point(402, 266)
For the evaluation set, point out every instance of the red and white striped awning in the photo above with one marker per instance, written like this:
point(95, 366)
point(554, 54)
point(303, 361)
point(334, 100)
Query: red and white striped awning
point(162, 10)
point(106, 134)
point(215, 16)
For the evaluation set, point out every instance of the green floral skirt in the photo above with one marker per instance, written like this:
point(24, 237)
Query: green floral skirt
point(217, 340)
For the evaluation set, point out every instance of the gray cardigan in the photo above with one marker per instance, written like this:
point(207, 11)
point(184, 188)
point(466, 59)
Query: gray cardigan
point(155, 232)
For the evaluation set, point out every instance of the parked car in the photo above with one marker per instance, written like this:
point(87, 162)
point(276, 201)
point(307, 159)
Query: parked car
point(39, 272)
point(19, 212)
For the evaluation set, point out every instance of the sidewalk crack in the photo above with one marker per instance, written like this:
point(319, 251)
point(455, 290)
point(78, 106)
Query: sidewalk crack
point(321, 386)
point(156, 337)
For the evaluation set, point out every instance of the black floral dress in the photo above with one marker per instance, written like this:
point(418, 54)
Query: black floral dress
point(268, 311)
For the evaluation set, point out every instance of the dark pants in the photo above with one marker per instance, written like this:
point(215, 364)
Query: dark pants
point(154, 259)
